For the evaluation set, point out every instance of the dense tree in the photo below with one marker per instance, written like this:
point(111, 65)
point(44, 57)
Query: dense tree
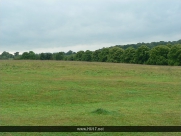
point(49, 56)
point(25, 55)
point(142, 54)
point(32, 55)
point(16, 54)
point(95, 55)
point(28, 55)
point(158, 55)
point(37, 56)
point(129, 55)
point(70, 57)
point(54, 56)
point(115, 54)
point(174, 55)
point(103, 55)
point(69, 52)
point(79, 55)
point(169, 53)
point(46, 56)
point(6, 55)
point(60, 56)
point(87, 56)
point(150, 45)
point(42, 56)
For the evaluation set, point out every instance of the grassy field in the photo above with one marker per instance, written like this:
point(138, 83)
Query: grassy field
point(89, 93)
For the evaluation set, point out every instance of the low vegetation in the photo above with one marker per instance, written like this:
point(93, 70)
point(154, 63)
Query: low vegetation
point(88, 93)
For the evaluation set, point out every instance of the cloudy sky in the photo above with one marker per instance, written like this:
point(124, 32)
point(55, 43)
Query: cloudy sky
point(63, 25)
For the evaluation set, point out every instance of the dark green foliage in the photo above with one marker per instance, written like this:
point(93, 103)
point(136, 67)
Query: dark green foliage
point(6, 55)
point(142, 54)
point(54, 56)
point(16, 54)
point(25, 55)
point(150, 45)
point(28, 55)
point(174, 55)
point(154, 53)
point(103, 55)
point(32, 55)
point(129, 55)
point(79, 55)
point(59, 56)
point(42, 56)
point(37, 56)
point(87, 56)
point(48, 56)
point(158, 55)
point(69, 57)
point(95, 55)
point(69, 52)
point(115, 54)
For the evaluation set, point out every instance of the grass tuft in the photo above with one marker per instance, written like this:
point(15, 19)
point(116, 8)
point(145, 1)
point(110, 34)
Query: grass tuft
point(101, 111)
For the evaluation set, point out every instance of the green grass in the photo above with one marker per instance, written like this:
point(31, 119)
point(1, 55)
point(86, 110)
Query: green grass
point(89, 93)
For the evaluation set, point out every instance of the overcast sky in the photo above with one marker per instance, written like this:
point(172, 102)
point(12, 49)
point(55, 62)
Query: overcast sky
point(63, 25)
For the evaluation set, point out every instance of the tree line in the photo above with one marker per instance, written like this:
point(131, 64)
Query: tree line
point(167, 53)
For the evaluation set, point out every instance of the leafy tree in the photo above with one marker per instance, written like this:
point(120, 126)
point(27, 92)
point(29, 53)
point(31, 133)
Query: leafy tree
point(70, 57)
point(79, 55)
point(59, 56)
point(48, 56)
point(69, 52)
point(129, 55)
point(87, 56)
point(6, 55)
point(115, 54)
point(150, 45)
point(95, 55)
point(25, 55)
point(103, 55)
point(16, 54)
point(174, 55)
point(54, 56)
point(158, 55)
point(32, 55)
point(42, 56)
point(37, 56)
point(142, 54)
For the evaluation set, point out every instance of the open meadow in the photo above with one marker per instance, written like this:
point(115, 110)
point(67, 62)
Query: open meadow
point(67, 93)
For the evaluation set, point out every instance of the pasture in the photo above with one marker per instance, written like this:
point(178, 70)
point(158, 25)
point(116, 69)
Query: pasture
point(66, 93)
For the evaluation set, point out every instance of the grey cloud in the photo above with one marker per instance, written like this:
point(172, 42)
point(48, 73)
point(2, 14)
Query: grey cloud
point(26, 25)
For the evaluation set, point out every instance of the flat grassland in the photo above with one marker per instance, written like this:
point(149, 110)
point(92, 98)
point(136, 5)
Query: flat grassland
point(66, 93)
